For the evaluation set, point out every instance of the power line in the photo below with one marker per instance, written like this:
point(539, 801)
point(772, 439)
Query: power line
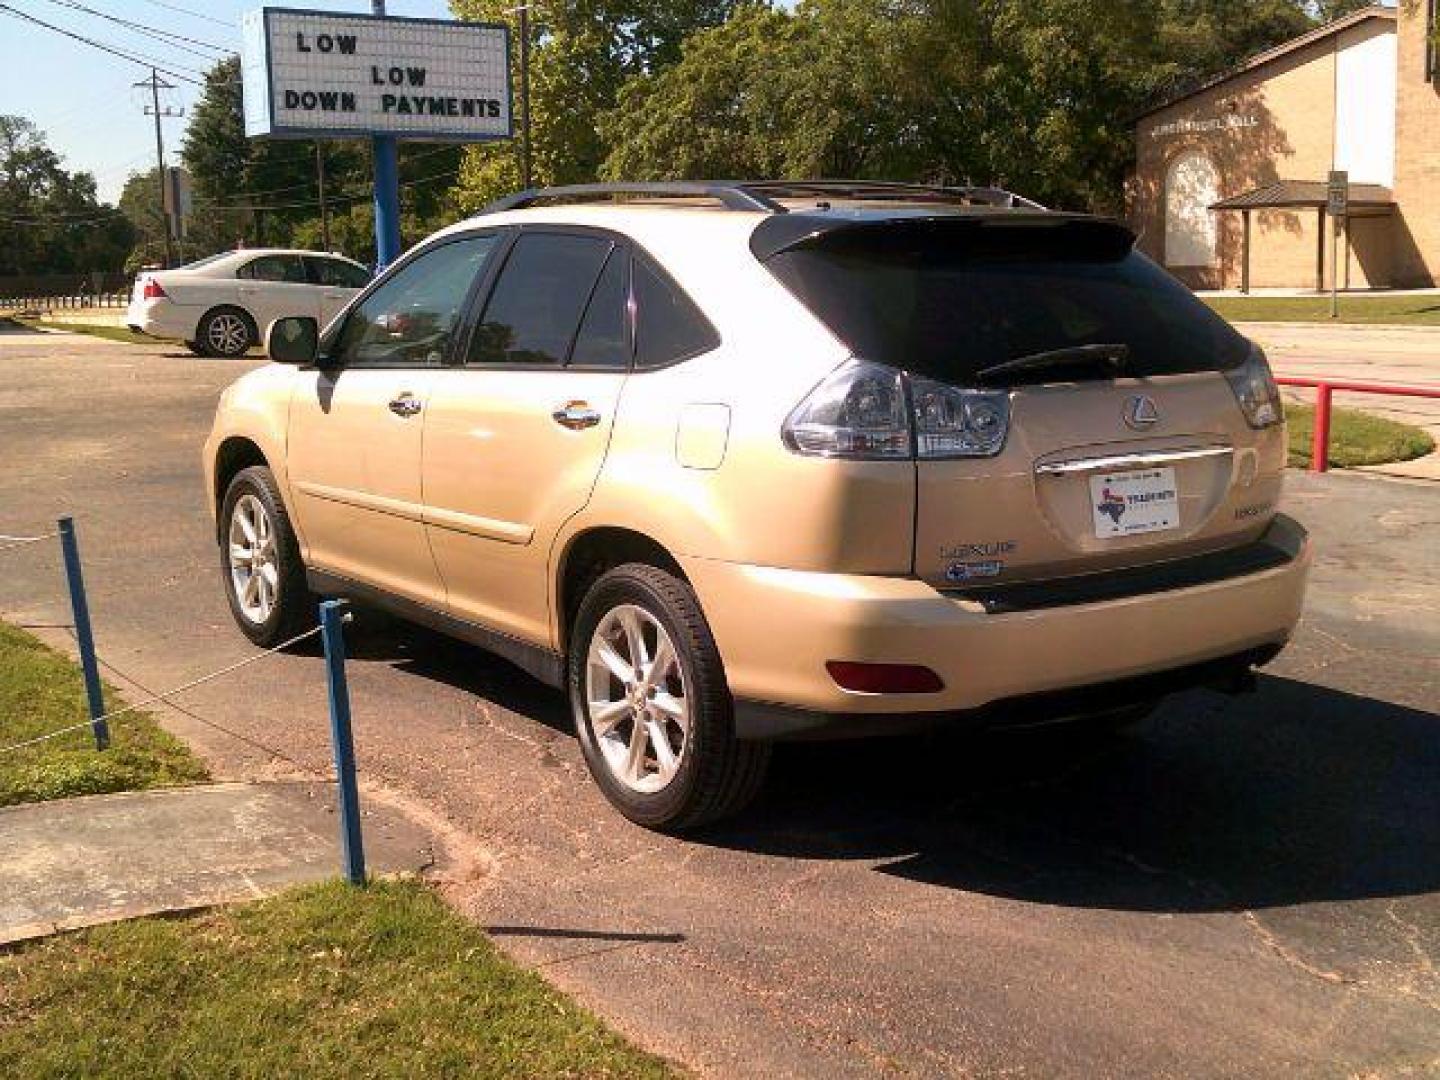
point(132, 57)
point(193, 14)
point(165, 37)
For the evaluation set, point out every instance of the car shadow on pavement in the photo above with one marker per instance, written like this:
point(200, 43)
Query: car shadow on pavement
point(428, 654)
point(1296, 793)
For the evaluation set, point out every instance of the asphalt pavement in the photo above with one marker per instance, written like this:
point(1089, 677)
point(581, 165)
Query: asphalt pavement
point(1239, 887)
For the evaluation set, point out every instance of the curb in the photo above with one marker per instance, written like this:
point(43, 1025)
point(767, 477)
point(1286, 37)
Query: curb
point(1350, 327)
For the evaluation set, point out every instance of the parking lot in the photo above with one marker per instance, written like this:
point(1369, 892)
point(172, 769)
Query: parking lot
point(1238, 887)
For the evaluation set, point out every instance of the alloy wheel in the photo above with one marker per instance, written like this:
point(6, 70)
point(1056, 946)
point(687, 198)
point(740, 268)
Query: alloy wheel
point(227, 333)
point(635, 699)
point(254, 566)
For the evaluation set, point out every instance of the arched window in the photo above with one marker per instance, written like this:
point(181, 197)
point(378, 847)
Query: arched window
point(1191, 186)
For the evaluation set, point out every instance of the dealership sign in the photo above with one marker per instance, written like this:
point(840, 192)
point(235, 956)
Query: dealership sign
point(314, 73)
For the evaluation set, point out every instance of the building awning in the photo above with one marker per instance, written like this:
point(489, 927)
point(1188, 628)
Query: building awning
point(1299, 194)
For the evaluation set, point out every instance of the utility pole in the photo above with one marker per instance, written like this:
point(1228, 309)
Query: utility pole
point(320, 183)
point(155, 84)
point(526, 180)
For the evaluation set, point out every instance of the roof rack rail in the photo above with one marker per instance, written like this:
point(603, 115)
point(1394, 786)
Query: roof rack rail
point(731, 196)
point(764, 195)
point(890, 191)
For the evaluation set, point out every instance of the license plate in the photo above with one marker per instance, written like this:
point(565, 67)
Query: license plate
point(1131, 503)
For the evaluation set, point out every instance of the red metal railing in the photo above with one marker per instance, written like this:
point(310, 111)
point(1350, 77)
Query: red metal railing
point(1320, 443)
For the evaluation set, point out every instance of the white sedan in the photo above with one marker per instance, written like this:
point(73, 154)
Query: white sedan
point(222, 305)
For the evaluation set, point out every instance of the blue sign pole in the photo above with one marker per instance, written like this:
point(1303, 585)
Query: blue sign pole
point(84, 639)
point(332, 633)
point(386, 151)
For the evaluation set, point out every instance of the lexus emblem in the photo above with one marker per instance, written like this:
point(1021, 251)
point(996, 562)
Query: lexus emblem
point(1141, 412)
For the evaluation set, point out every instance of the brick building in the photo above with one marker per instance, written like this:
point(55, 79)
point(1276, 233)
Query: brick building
point(1229, 186)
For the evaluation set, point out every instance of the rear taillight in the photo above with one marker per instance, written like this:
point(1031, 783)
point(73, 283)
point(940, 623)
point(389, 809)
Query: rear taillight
point(857, 412)
point(153, 291)
point(868, 411)
point(863, 678)
point(953, 423)
point(1256, 391)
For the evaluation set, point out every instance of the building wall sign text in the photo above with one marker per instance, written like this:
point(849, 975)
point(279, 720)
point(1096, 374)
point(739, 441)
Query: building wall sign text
point(314, 73)
point(1228, 122)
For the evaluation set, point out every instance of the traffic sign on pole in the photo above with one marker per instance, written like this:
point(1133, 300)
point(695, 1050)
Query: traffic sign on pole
point(1337, 205)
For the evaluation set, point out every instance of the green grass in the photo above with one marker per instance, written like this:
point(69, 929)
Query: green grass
point(326, 980)
point(1356, 438)
point(1413, 310)
point(109, 333)
point(42, 691)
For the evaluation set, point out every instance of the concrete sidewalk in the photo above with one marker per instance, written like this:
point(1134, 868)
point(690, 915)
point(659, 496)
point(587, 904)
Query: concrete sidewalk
point(80, 862)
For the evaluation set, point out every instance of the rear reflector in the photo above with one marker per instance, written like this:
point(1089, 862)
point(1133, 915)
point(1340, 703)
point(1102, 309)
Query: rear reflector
point(883, 678)
point(153, 291)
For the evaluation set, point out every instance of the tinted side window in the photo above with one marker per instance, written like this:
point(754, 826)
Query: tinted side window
point(336, 273)
point(668, 325)
point(535, 308)
point(287, 268)
point(604, 339)
point(409, 320)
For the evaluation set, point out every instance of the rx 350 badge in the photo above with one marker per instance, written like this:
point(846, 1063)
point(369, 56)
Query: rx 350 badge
point(970, 571)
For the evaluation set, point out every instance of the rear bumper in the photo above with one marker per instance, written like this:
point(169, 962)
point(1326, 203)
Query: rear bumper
point(776, 629)
point(162, 319)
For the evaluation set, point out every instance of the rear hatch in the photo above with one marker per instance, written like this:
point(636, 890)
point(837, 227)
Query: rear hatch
point(1126, 442)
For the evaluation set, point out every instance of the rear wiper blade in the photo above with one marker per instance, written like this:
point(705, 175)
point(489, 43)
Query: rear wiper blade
point(1112, 356)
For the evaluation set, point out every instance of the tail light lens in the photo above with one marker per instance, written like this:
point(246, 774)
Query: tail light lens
point(1256, 391)
point(857, 412)
point(153, 291)
point(955, 423)
point(860, 412)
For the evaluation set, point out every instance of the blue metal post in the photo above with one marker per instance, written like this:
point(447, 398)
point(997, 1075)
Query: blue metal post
point(387, 187)
point(387, 200)
point(80, 610)
point(332, 632)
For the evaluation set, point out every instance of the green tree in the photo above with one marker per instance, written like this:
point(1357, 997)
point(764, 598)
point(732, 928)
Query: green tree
point(768, 93)
point(582, 51)
point(140, 203)
point(1035, 95)
point(51, 220)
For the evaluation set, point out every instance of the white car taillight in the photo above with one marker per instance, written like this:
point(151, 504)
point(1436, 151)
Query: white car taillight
point(857, 412)
point(860, 412)
point(153, 290)
point(954, 423)
point(1256, 391)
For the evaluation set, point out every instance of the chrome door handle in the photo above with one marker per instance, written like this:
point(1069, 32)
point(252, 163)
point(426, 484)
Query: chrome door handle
point(575, 415)
point(406, 405)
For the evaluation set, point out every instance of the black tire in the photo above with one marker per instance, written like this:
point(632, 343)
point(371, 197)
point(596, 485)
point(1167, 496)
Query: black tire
point(194, 347)
point(225, 345)
point(294, 607)
point(717, 775)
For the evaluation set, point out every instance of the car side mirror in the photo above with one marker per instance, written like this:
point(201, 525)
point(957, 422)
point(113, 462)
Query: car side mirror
point(293, 340)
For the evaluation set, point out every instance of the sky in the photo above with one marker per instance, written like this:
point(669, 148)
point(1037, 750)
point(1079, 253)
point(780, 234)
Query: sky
point(84, 100)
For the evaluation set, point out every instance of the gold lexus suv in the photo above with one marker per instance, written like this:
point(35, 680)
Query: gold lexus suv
point(733, 463)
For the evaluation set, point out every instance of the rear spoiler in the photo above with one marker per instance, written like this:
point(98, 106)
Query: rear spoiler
point(1041, 233)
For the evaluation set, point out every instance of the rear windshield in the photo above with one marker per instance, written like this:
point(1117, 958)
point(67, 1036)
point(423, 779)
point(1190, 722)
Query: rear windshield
point(948, 299)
